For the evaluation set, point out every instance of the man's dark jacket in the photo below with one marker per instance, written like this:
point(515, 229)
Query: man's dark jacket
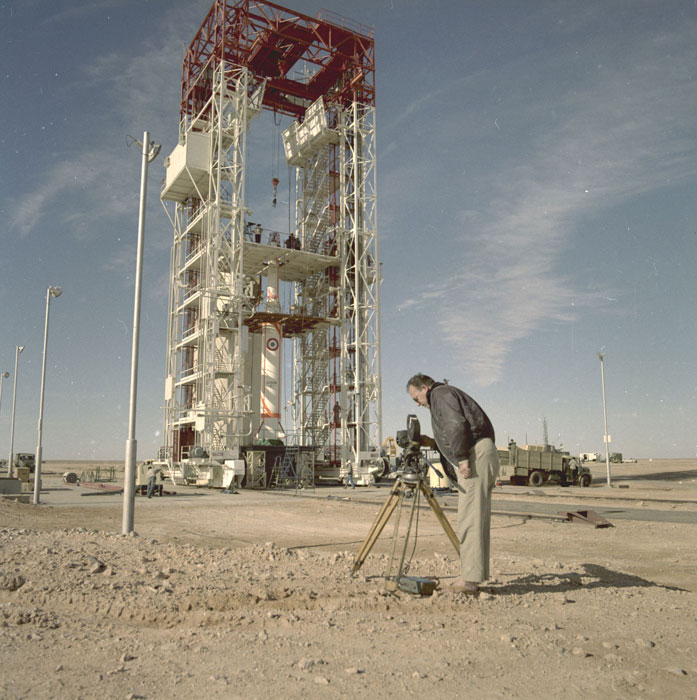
point(458, 422)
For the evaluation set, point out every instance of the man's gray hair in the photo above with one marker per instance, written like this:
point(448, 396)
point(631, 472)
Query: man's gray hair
point(419, 381)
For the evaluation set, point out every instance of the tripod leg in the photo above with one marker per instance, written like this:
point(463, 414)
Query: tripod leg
point(440, 515)
point(378, 526)
point(392, 581)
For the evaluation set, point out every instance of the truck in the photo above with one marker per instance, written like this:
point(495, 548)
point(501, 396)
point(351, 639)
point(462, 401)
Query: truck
point(24, 460)
point(536, 465)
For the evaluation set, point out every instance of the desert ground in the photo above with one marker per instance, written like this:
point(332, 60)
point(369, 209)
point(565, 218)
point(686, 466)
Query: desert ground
point(251, 595)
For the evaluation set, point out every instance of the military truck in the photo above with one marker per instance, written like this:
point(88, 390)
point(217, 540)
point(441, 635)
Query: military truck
point(536, 465)
point(24, 460)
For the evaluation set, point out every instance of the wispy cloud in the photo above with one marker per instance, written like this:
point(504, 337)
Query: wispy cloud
point(82, 10)
point(94, 178)
point(88, 177)
point(624, 132)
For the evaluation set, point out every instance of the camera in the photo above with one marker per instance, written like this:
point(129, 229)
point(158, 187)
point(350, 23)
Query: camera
point(411, 435)
point(410, 464)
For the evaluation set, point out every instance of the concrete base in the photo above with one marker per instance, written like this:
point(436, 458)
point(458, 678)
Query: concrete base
point(9, 485)
point(16, 497)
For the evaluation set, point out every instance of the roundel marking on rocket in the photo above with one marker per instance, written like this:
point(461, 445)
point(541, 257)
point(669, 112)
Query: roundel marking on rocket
point(272, 344)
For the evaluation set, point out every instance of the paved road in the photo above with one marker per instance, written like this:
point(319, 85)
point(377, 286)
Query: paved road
point(58, 494)
point(508, 506)
point(608, 512)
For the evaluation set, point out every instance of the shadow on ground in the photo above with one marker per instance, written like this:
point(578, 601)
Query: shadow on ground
point(592, 576)
point(660, 476)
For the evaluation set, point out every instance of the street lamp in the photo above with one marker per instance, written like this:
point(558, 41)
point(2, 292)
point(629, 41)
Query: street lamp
point(601, 356)
point(150, 149)
point(10, 467)
point(54, 292)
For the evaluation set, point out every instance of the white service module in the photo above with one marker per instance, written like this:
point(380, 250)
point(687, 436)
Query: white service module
point(187, 168)
point(302, 140)
point(231, 469)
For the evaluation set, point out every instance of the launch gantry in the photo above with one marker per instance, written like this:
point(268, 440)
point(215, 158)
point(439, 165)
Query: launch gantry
point(246, 302)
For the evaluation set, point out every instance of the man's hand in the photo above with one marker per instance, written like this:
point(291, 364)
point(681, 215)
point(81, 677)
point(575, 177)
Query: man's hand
point(464, 468)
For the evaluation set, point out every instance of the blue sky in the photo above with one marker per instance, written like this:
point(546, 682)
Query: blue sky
point(537, 173)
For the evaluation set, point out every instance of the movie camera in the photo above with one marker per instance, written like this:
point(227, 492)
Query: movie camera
point(411, 464)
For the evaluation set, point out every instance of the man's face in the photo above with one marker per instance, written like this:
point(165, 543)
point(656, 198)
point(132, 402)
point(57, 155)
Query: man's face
point(419, 395)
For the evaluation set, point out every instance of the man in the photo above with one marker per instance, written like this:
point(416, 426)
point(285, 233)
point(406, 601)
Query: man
point(464, 436)
point(152, 479)
point(349, 478)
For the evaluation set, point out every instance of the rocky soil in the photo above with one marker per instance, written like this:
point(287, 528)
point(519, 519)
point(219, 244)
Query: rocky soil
point(272, 610)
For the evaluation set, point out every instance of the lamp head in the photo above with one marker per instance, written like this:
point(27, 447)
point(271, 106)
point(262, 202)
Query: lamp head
point(55, 291)
point(20, 348)
point(5, 375)
point(154, 150)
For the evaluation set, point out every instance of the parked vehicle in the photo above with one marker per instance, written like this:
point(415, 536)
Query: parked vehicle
point(535, 465)
point(25, 459)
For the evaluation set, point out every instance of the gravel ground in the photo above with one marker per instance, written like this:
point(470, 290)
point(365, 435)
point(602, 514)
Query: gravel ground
point(253, 597)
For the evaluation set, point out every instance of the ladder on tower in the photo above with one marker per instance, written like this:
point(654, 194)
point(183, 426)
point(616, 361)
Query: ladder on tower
point(317, 191)
point(275, 471)
point(284, 474)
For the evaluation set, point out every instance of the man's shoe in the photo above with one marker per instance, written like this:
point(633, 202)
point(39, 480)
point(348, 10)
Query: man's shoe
point(468, 588)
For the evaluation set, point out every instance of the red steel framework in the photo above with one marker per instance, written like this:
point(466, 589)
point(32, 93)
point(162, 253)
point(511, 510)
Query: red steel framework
point(270, 40)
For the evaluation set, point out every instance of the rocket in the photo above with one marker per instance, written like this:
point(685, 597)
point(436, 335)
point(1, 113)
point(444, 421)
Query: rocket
point(271, 348)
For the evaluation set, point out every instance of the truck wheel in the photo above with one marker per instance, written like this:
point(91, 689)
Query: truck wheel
point(537, 478)
point(584, 480)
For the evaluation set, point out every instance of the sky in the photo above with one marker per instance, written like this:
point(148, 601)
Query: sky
point(537, 205)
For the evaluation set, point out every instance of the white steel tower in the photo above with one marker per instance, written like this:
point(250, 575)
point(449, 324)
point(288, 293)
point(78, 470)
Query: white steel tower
point(242, 296)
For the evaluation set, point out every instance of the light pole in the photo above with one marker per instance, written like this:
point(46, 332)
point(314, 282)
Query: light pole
point(10, 466)
point(601, 356)
point(54, 292)
point(149, 150)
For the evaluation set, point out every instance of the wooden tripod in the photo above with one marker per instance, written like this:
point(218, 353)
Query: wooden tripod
point(404, 484)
